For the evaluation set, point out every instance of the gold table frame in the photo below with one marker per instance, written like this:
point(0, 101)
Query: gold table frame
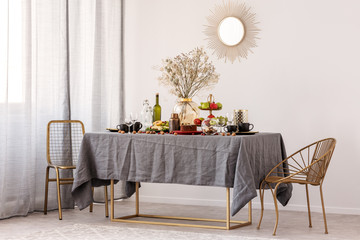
point(227, 226)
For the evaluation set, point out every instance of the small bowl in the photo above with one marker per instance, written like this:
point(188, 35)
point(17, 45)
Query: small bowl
point(209, 126)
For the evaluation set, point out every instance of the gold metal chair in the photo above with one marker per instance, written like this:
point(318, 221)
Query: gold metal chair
point(62, 149)
point(306, 166)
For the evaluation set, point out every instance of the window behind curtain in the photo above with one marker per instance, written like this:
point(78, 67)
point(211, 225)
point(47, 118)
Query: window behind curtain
point(11, 50)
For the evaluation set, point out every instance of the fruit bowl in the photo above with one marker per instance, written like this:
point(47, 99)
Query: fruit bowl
point(209, 126)
point(209, 108)
point(210, 105)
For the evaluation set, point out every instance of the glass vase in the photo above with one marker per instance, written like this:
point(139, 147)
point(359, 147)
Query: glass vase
point(187, 110)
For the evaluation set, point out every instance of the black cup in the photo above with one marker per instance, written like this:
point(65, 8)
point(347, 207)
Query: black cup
point(123, 127)
point(230, 128)
point(245, 127)
point(136, 127)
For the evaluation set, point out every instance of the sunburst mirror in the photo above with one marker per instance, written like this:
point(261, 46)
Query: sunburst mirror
point(231, 31)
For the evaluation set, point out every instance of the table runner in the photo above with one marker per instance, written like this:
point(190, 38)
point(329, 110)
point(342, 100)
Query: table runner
point(240, 162)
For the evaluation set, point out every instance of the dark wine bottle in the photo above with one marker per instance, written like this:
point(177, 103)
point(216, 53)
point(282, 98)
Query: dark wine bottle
point(157, 109)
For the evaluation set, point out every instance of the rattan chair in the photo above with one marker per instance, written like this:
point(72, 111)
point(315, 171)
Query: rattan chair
point(62, 149)
point(306, 166)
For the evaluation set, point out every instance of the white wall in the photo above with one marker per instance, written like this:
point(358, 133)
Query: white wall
point(302, 81)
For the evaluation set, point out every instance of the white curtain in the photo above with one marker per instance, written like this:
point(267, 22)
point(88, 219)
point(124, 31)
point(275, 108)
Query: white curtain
point(59, 59)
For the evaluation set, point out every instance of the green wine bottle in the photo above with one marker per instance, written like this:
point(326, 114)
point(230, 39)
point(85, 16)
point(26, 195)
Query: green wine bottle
point(157, 110)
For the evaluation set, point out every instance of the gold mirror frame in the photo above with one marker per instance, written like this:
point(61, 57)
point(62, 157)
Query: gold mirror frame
point(235, 40)
point(241, 12)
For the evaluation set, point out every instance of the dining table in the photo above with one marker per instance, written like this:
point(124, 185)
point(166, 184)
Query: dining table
point(239, 162)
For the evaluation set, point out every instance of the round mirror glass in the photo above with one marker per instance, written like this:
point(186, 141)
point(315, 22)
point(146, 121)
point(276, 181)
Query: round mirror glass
point(231, 31)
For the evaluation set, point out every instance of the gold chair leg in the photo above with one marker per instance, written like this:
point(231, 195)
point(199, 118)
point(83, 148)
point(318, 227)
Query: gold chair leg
point(228, 208)
point(323, 208)
point(262, 202)
point(58, 192)
point(106, 202)
point(92, 203)
point(46, 190)
point(276, 206)
point(308, 204)
point(249, 211)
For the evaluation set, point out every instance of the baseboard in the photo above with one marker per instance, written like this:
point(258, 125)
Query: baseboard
point(256, 204)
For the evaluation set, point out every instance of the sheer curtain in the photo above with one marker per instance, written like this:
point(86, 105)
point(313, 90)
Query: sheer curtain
point(59, 59)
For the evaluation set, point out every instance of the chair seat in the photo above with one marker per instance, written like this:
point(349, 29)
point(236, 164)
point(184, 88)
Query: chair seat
point(62, 166)
point(276, 179)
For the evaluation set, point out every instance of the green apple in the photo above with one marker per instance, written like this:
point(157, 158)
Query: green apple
point(205, 105)
point(219, 105)
point(213, 122)
point(222, 119)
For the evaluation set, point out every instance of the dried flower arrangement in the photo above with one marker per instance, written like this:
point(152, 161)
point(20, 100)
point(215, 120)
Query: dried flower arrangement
point(188, 73)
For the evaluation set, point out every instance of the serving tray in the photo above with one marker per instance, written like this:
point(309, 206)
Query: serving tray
point(154, 130)
point(188, 132)
point(246, 133)
point(112, 129)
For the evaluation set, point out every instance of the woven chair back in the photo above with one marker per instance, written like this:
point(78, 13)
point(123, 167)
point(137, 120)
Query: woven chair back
point(320, 160)
point(63, 141)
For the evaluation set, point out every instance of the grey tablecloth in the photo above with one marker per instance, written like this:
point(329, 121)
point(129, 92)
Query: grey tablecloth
point(240, 162)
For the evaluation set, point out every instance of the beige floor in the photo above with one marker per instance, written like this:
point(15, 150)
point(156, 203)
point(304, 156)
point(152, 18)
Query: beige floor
point(292, 225)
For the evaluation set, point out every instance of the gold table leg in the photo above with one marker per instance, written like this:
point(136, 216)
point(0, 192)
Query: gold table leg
point(137, 199)
point(227, 208)
point(227, 221)
point(106, 202)
point(112, 200)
